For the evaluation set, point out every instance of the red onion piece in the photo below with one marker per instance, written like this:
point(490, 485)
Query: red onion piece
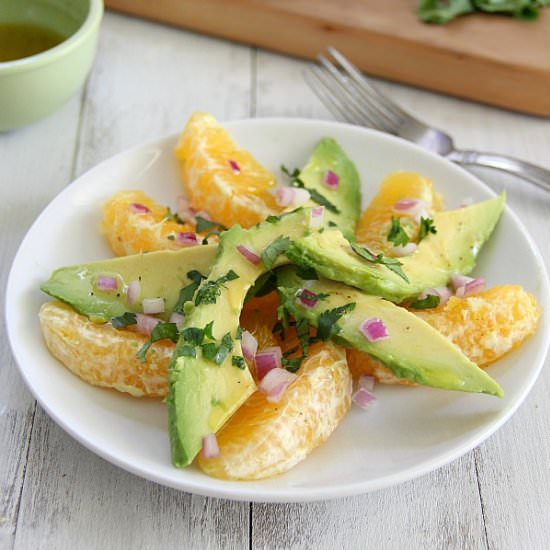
point(363, 398)
point(291, 196)
point(316, 217)
point(441, 291)
point(275, 383)
point(106, 282)
point(249, 345)
point(332, 180)
point(210, 447)
point(249, 254)
point(185, 211)
point(177, 319)
point(267, 360)
point(367, 382)
point(307, 298)
point(234, 166)
point(458, 280)
point(374, 330)
point(404, 250)
point(145, 324)
point(409, 206)
point(473, 286)
point(139, 208)
point(133, 292)
point(152, 305)
point(187, 238)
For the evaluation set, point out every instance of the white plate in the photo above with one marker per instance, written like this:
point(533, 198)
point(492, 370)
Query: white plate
point(410, 432)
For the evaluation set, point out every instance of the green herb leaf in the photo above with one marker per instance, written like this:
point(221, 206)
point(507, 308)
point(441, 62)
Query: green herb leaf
point(208, 330)
point(391, 263)
point(202, 225)
point(162, 331)
point(224, 349)
point(327, 325)
point(293, 364)
point(188, 351)
point(302, 331)
point(238, 361)
point(428, 302)
point(193, 335)
point(426, 227)
point(173, 216)
point(239, 333)
point(210, 290)
point(187, 292)
point(124, 320)
point(273, 219)
point(397, 235)
point(209, 351)
point(274, 249)
point(171, 237)
point(306, 273)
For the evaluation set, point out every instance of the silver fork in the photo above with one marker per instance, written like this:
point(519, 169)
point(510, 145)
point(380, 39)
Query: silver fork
point(349, 95)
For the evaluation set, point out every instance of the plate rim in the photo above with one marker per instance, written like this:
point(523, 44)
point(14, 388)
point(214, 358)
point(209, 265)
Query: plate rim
point(288, 494)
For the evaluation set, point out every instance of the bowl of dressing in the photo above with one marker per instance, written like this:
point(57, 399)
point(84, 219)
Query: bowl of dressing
point(46, 51)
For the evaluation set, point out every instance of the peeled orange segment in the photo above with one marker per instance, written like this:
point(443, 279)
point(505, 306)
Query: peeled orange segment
point(485, 326)
point(374, 225)
point(264, 439)
point(133, 223)
point(104, 356)
point(220, 177)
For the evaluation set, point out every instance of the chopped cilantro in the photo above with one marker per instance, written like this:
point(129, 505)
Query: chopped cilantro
point(391, 263)
point(273, 219)
point(290, 351)
point(173, 216)
point(124, 320)
point(327, 325)
point(208, 330)
point(224, 349)
point(202, 225)
point(332, 224)
point(239, 333)
point(187, 292)
point(302, 331)
point(397, 235)
point(274, 249)
point(209, 351)
point(193, 335)
point(426, 227)
point(293, 364)
point(238, 361)
point(426, 303)
point(210, 290)
point(188, 351)
point(161, 331)
point(171, 237)
point(306, 273)
point(265, 283)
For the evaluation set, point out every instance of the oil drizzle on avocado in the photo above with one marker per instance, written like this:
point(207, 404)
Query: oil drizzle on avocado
point(19, 40)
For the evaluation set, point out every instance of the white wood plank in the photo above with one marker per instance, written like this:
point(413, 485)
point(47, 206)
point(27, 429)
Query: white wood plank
point(35, 164)
point(146, 81)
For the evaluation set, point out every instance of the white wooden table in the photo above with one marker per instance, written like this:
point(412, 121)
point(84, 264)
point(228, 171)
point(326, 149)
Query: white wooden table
point(55, 494)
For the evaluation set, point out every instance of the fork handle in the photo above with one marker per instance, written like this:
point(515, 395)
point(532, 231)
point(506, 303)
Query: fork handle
point(535, 174)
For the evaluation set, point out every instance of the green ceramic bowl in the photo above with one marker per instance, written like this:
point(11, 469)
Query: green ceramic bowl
point(35, 86)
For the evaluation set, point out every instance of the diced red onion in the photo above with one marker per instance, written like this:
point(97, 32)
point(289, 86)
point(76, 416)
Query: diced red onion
point(234, 166)
point(186, 238)
point(210, 448)
point(409, 206)
point(404, 250)
point(152, 305)
point(133, 292)
point(291, 196)
point(307, 298)
point(363, 398)
point(249, 254)
point(185, 211)
point(374, 330)
point(458, 280)
point(367, 382)
point(267, 360)
point(332, 180)
point(105, 282)
point(473, 286)
point(275, 383)
point(145, 324)
point(139, 208)
point(441, 291)
point(177, 319)
point(249, 345)
point(316, 217)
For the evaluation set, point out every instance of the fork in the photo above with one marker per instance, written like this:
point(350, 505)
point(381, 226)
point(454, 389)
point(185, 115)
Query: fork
point(349, 95)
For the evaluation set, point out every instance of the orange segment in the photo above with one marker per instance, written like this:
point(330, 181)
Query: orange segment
point(221, 178)
point(264, 439)
point(372, 229)
point(131, 232)
point(104, 356)
point(485, 326)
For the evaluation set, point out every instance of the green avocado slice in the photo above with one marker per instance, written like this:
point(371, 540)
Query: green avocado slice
point(345, 197)
point(208, 379)
point(161, 274)
point(414, 350)
point(453, 249)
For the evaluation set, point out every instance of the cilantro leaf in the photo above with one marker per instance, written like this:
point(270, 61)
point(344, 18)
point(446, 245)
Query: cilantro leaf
point(274, 249)
point(126, 319)
point(302, 331)
point(426, 303)
point(209, 351)
point(273, 219)
point(426, 227)
point(327, 325)
point(193, 335)
point(202, 225)
point(187, 292)
point(293, 364)
point(161, 331)
point(208, 330)
point(173, 216)
point(224, 349)
point(397, 235)
point(238, 361)
point(188, 351)
point(391, 263)
point(210, 290)
point(306, 273)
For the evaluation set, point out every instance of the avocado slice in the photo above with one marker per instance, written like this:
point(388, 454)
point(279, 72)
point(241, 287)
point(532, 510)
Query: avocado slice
point(206, 388)
point(453, 249)
point(161, 274)
point(414, 350)
point(345, 198)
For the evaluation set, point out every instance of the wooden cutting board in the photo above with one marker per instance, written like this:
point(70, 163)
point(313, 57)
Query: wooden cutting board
point(492, 59)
